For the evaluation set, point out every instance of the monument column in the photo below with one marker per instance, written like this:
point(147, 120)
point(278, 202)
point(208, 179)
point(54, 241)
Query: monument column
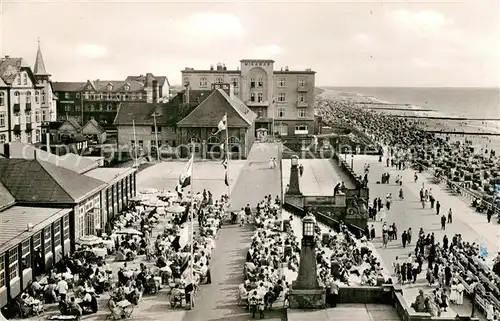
point(305, 292)
point(293, 196)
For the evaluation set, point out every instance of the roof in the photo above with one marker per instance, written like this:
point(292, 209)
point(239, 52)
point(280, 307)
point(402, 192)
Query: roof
point(117, 85)
point(257, 60)
point(10, 67)
point(39, 68)
point(95, 124)
point(14, 223)
point(68, 86)
point(72, 122)
point(6, 199)
point(35, 181)
point(2, 83)
point(160, 79)
point(294, 72)
point(212, 109)
point(110, 175)
point(208, 71)
point(167, 114)
point(69, 161)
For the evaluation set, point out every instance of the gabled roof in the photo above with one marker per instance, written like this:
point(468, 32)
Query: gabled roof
point(2, 83)
point(117, 85)
point(209, 112)
point(95, 124)
point(69, 161)
point(160, 79)
point(167, 114)
point(6, 199)
point(39, 68)
point(68, 86)
point(36, 181)
point(71, 122)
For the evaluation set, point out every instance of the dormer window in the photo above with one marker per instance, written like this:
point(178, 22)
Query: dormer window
point(126, 87)
point(109, 87)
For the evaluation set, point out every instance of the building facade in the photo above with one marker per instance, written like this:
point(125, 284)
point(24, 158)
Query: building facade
point(283, 100)
point(26, 99)
point(99, 99)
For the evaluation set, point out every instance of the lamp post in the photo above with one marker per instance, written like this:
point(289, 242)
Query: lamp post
point(352, 161)
point(135, 139)
point(306, 292)
point(156, 138)
point(294, 188)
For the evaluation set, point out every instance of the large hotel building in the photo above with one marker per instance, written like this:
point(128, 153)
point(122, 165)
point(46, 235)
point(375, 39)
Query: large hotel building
point(282, 99)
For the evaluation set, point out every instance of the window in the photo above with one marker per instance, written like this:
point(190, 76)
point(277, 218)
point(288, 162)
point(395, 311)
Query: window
point(19, 80)
point(37, 135)
point(139, 96)
point(141, 144)
point(37, 96)
point(13, 266)
point(28, 117)
point(281, 112)
point(186, 81)
point(91, 107)
point(109, 87)
point(125, 97)
point(2, 99)
point(203, 82)
point(126, 87)
point(252, 82)
point(28, 97)
point(100, 97)
point(29, 137)
point(252, 97)
point(302, 113)
point(25, 79)
point(67, 96)
point(281, 82)
point(261, 82)
point(86, 95)
point(302, 98)
point(118, 96)
point(17, 137)
point(66, 227)
point(234, 81)
point(57, 234)
point(26, 254)
point(37, 116)
point(153, 129)
point(220, 80)
point(132, 143)
point(108, 97)
point(81, 221)
point(2, 271)
point(301, 128)
point(47, 240)
point(281, 97)
point(3, 139)
point(78, 108)
point(109, 107)
point(2, 119)
point(37, 241)
point(77, 95)
point(44, 115)
point(259, 97)
point(43, 97)
point(16, 97)
point(302, 82)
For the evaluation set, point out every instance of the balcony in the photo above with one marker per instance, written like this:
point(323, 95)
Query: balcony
point(302, 104)
point(17, 129)
point(302, 89)
point(28, 107)
point(257, 103)
point(28, 127)
point(17, 108)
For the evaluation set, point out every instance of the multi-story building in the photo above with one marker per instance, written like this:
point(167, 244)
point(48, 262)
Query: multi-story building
point(282, 99)
point(26, 99)
point(99, 99)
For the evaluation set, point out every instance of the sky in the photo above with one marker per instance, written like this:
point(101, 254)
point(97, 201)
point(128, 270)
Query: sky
point(405, 43)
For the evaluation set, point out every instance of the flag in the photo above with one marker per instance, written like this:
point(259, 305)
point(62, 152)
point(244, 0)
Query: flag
point(185, 177)
point(224, 161)
point(483, 251)
point(225, 179)
point(222, 124)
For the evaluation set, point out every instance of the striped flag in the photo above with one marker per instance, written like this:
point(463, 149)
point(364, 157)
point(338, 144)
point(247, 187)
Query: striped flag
point(185, 177)
point(222, 124)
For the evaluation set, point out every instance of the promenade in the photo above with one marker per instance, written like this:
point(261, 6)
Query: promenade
point(218, 301)
point(409, 213)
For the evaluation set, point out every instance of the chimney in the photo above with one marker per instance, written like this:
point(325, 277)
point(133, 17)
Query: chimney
point(7, 56)
point(212, 67)
point(286, 68)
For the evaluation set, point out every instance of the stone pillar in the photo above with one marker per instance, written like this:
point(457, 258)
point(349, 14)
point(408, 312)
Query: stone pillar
point(294, 188)
point(305, 292)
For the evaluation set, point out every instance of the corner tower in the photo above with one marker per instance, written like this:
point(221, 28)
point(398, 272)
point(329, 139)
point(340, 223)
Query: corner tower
point(47, 98)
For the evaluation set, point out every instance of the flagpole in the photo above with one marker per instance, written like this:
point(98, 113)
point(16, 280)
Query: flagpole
point(227, 157)
point(192, 227)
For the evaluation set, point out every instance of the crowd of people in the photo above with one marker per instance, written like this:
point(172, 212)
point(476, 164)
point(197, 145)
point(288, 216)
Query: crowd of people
point(130, 262)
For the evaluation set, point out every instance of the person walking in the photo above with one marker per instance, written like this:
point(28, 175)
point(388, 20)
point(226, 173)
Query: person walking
point(489, 214)
point(404, 238)
point(301, 169)
point(408, 236)
point(443, 222)
point(438, 207)
point(334, 293)
point(450, 217)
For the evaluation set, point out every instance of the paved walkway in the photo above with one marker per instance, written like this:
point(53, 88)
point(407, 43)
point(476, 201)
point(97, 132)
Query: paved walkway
point(409, 213)
point(319, 178)
point(218, 301)
point(345, 312)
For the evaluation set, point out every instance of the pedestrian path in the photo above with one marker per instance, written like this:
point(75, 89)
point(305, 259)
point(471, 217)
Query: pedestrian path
point(409, 213)
point(218, 301)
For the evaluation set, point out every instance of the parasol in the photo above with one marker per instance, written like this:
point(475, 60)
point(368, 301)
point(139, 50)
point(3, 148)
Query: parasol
point(131, 231)
point(176, 209)
point(168, 194)
point(90, 240)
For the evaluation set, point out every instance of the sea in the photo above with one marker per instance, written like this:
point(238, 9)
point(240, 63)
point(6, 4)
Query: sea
point(458, 102)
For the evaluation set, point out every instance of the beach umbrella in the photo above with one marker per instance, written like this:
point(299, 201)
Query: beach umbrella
point(90, 240)
point(176, 209)
point(148, 191)
point(168, 194)
point(131, 231)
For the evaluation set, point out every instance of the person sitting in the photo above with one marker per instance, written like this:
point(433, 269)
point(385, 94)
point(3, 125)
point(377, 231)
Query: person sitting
point(89, 302)
point(419, 304)
point(74, 308)
point(176, 297)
